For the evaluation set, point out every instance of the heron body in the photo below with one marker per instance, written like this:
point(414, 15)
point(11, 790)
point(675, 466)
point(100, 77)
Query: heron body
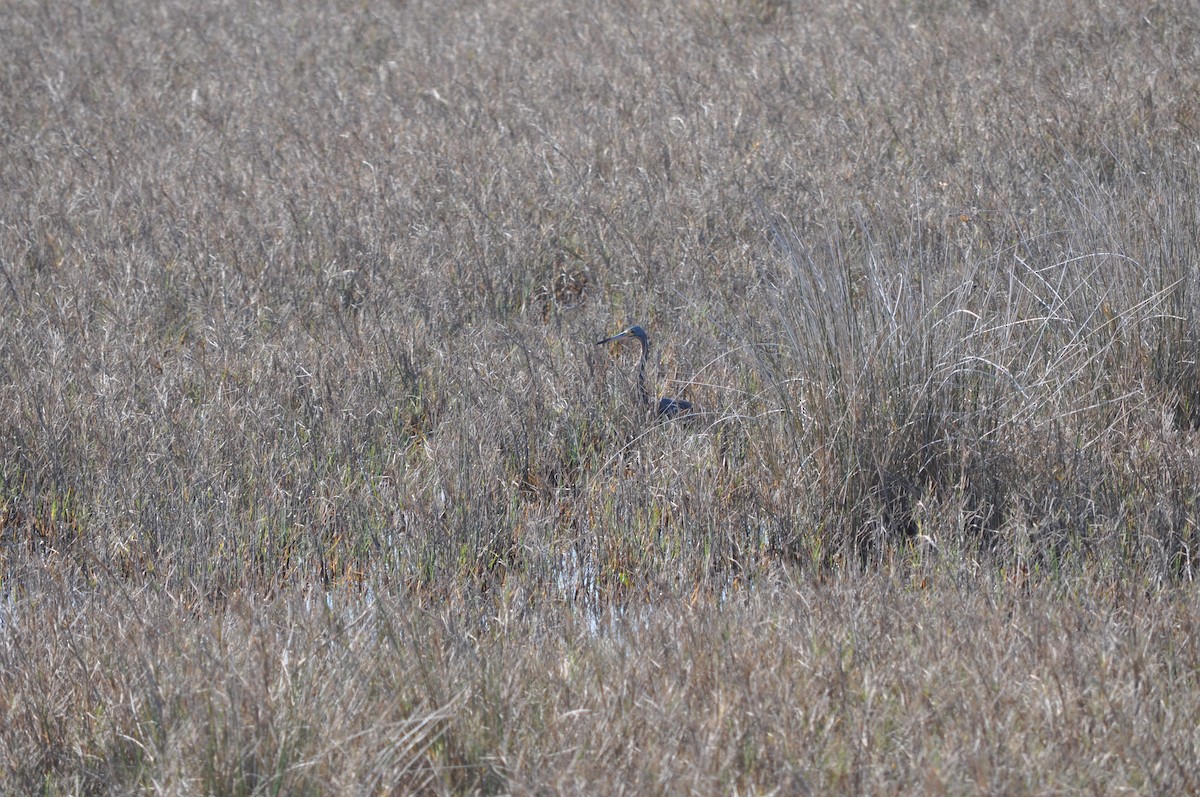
point(669, 407)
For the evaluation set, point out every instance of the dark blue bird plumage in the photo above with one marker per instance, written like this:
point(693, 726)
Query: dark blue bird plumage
point(667, 407)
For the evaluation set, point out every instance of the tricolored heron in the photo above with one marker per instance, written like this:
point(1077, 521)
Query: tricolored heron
point(670, 407)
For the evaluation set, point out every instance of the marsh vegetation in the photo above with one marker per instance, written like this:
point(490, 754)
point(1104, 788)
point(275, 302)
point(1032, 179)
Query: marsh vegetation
point(312, 479)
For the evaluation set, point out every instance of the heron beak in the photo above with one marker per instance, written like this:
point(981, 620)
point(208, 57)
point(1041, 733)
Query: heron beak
point(618, 336)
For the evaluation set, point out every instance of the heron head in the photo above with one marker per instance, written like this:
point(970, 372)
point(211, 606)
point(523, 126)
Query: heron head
point(633, 332)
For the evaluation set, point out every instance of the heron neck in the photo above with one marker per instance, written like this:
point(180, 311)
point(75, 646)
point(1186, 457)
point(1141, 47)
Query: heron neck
point(645, 394)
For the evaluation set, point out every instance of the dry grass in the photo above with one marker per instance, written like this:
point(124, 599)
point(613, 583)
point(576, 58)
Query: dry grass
point(954, 684)
point(311, 479)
